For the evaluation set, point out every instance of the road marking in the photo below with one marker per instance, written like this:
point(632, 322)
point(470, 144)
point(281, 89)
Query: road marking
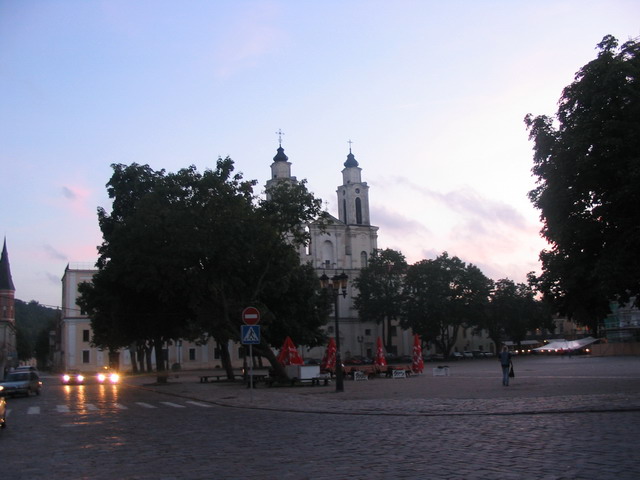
point(62, 408)
point(145, 405)
point(91, 406)
point(121, 407)
point(199, 404)
point(33, 411)
point(174, 405)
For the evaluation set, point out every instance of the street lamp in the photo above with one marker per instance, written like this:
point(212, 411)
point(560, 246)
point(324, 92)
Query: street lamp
point(337, 285)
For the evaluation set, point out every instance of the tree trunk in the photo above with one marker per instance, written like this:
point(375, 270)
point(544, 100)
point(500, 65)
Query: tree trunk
point(277, 368)
point(134, 359)
point(160, 361)
point(114, 360)
point(147, 357)
point(223, 347)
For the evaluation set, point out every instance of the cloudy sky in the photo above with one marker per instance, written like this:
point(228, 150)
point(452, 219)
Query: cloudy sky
point(432, 94)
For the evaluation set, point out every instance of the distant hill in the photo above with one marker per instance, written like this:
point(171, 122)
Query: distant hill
point(33, 323)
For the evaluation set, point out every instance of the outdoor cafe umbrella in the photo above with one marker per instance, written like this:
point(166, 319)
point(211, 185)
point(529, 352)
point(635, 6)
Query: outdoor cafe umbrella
point(329, 359)
point(418, 363)
point(289, 354)
point(380, 360)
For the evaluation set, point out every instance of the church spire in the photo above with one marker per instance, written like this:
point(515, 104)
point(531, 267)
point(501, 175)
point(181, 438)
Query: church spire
point(351, 159)
point(280, 156)
point(280, 168)
point(6, 282)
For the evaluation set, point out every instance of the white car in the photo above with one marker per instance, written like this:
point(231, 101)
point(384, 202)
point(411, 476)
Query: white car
point(21, 382)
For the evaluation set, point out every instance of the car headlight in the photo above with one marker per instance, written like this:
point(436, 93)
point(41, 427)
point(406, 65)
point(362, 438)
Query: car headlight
point(66, 378)
point(80, 378)
point(114, 378)
point(101, 377)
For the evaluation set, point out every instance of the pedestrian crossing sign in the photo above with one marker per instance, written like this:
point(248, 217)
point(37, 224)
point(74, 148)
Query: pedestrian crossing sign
point(250, 334)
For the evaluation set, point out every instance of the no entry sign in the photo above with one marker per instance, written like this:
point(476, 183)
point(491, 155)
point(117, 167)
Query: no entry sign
point(251, 315)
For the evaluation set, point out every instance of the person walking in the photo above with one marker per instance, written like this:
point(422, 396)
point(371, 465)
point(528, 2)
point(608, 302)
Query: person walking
point(505, 360)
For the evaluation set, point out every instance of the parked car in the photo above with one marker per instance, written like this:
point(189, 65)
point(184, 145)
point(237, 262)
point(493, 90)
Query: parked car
point(3, 408)
point(72, 377)
point(26, 368)
point(21, 383)
point(467, 354)
point(457, 355)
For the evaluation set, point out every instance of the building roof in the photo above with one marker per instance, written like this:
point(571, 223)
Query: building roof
point(6, 282)
point(280, 156)
point(351, 160)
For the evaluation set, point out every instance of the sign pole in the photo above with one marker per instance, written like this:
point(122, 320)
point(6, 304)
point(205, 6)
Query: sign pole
point(251, 373)
point(251, 317)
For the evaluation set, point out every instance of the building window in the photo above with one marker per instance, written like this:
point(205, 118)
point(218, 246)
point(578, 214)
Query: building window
point(358, 211)
point(329, 329)
point(86, 356)
point(192, 354)
point(363, 260)
point(85, 335)
point(216, 353)
point(367, 332)
point(393, 331)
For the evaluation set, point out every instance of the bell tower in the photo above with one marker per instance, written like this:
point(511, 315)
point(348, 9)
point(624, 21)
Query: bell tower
point(353, 194)
point(280, 168)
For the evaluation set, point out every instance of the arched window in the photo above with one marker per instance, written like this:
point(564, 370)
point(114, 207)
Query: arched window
point(327, 254)
point(358, 211)
point(344, 211)
point(363, 260)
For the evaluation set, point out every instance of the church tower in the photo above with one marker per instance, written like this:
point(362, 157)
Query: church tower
point(353, 194)
point(280, 168)
point(8, 354)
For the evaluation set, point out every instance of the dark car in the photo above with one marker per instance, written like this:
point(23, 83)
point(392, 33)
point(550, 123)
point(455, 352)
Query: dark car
point(21, 383)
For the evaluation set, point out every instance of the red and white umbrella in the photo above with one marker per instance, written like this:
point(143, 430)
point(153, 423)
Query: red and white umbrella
point(329, 360)
point(289, 353)
point(418, 362)
point(380, 359)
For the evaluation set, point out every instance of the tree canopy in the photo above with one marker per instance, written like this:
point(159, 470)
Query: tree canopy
point(184, 253)
point(587, 163)
point(380, 287)
point(443, 295)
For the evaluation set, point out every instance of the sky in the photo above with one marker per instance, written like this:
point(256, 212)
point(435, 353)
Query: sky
point(432, 94)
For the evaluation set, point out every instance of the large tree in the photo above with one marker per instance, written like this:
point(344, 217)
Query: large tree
point(587, 160)
point(443, 295)
point(184, 253)
point(513, 310)
point(380, 287)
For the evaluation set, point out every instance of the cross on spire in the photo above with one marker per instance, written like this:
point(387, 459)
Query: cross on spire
point(280, 133)
point(349, 142)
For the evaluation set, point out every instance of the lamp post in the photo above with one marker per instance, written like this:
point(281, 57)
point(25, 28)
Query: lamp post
point(337, 285)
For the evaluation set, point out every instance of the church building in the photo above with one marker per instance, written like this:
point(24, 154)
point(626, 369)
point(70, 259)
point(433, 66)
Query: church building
point(8, 351)
point(344, 246)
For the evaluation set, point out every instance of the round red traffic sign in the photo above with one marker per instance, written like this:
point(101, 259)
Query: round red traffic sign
point(251, 315)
